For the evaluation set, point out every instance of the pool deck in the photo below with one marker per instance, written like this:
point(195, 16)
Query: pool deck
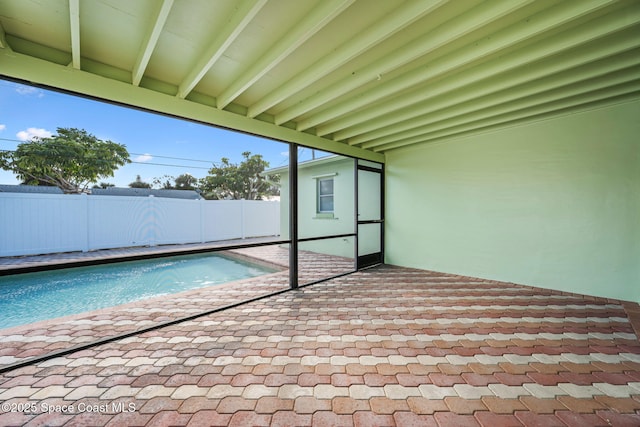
point(12, 264)
point(21, 343)
point(384, 346)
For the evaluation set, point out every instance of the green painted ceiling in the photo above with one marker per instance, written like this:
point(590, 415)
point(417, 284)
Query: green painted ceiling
point(358, 77)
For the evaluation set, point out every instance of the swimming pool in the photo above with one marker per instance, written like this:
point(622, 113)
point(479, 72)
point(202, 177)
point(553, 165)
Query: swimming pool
point(31, 297)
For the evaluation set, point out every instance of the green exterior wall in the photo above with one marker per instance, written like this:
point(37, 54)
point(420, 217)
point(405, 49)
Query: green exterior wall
point(310, 224)
point(553, 204)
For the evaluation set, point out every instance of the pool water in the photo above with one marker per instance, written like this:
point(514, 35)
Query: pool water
point(31, 297)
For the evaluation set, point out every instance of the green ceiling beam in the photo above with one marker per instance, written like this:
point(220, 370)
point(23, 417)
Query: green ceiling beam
point(568, 51)
point(150, 40)
point(479, 50)
point(313, 22)
point(558, 81)
point(74, 23)
point(521, 100)
point(460, 133)
point(37, 71)
point(38, 51)
point(3, 39)
point(222, 39)
point(376, 33)
point(591, 99)
point(461, 25)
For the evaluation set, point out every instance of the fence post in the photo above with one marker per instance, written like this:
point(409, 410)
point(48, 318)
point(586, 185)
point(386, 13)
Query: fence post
point(276, 218)
point(87, 222)
point(242, 218)
point(152, 220)
point(202, 220)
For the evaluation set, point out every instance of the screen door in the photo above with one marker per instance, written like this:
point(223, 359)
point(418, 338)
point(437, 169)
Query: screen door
point(370, 214)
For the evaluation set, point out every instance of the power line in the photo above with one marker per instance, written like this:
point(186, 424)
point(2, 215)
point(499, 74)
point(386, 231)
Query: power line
point(155, 164)
point(214, 164)
point(172, 158)
point(169, 165)
point(137, 154)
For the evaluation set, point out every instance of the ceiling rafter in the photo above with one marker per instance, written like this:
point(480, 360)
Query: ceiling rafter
point(461, 25)
point(376, 33)
point(223, 38)
point(3, 39)
point(592, 61)
point(405, 106)
point(39, 71)
point(74, 24)
point(521, 98)
point(583, 102)
point(478, 50)
point(150, 41)
point(310, 25)
point(446, 69)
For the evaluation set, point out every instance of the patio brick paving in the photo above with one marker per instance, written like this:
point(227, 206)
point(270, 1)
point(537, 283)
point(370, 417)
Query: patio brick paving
point(384, 346)
point(40, 338)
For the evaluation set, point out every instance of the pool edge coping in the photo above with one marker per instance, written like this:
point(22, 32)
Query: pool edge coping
point(170, 250)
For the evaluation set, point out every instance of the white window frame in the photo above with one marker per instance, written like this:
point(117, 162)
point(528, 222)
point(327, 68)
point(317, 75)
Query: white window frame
point(319, 195)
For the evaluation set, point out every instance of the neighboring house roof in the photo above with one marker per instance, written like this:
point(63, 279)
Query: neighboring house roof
point(307, 164)
point(40, 189)
point(146, 192)
point(112, 191)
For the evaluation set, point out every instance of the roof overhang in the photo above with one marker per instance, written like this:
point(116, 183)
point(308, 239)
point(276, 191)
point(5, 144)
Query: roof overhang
point(39, 72)
point(307, 164)
point(354, 77)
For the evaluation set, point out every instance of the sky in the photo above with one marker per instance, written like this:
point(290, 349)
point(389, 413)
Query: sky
point(151, 139)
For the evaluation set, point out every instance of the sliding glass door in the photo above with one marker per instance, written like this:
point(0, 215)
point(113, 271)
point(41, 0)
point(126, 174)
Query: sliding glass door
point(336, 214)
point(370, 207)
point(326, 215)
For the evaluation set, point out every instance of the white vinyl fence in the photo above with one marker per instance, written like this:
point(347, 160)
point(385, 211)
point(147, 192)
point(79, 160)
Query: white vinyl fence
point(47, 223)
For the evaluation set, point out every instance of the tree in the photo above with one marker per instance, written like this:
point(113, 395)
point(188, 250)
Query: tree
point(70, 160)
point(163, 182)
point(238, 181)
point(139, 183)
point(186, 182)
point(36, 182)
point(104, 185)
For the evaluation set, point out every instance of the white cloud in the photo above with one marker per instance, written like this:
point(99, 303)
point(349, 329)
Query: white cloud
point(29, 134)
point(29, 90)
point(143, 158)
point(284, 153)
point(3, 127)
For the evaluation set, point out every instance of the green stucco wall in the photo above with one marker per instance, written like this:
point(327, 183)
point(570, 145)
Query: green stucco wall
point(553, 204)
point(312, 225)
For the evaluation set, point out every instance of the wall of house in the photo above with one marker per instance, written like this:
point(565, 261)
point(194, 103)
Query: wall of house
point(553, 204)
point(310, 224)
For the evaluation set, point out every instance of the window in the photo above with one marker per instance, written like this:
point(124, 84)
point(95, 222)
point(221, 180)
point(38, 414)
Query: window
point(325, 195)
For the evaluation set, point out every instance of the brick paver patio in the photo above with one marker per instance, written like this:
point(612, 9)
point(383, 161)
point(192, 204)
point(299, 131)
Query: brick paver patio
point(20, 343)
point(386, 346)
